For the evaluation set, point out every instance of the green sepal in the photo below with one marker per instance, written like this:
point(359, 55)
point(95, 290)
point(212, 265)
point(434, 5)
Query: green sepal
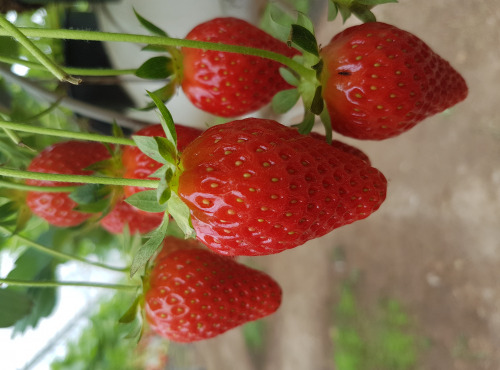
point(116, 130)
point(304, 39)
point(327, 123)
point(304, 21)
point(181, 214)
point(276, 21)
point(167, 150)
point(89, 193)
point(307, 124)
point(375, 2)
point(345, 13)
point(131, 314)
point(155, 48)
point(165, 93)
point(333, 10)
point(146, 201)
point(149, 146)
point(7, 210)
point(149, 26)
point(148, 249)
point(364, 14)
point(167, 122)
point(317, 104)
point(23, 216)
point(164, 190)
point(14, 306)
point(156, 68)
point(284, 100)
point(289, 76)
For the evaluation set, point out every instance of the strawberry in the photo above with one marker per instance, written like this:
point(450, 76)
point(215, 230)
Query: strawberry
point(71, 158)
point(344, 147)
point(230, 84)
point(380, 81)
point(256, 187)
point(195, 294)
point(124, 214)
point(139, 166)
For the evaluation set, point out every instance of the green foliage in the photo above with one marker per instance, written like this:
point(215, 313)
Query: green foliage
point(375, 338)
point(359, 8)
point(103, 344)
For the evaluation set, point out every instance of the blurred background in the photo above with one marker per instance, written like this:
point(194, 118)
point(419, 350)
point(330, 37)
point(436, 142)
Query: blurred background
point(414, 286)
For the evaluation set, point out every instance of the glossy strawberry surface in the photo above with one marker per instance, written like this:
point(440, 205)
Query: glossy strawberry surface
point(379, 81)
point(256, 187)
point(231, 84)
point(70, 158)
point(195, 294)
point(138, 165)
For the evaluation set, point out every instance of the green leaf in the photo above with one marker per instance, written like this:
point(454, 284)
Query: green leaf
point(14, 306)
point(327, 123)
point(23, 216)
point(375, 2)
point(345, 12)
point(156, 68)
point(307, 123)
point(317, 104)
point(304, 39)
point(364, 15)
point(167, 121)
point(146, 201)
point(131, 313)
point(167, 150)
point(181, 214)
point(289, 76)
point(304, 21)
point(284, 100)
point(165, 93)
point(155, 48)
point(333, 10)
point(276, 21)
point(149, 26)
point(164, 192)
point(148, 249)
point(149, 146)
point(89, 193)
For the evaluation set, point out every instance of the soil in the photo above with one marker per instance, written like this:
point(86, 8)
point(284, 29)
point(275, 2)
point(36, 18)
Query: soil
point(434, 246)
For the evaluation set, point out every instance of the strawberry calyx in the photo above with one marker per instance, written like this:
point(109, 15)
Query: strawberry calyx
point(165, 199)
point(361, 9)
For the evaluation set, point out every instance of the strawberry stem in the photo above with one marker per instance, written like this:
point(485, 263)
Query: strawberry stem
point(117, 181)
point(45, 189)
point(60, 255)
point(17, 126)
point(70, 70)
point(161, 40)
point(13, 31)
point(52, 284)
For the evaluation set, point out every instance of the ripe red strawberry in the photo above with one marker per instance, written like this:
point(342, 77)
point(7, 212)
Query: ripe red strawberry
point(256, 187)
point(344, 147)
point(124, 214)
point(139, 166)
point(230, 84)
point(380, 81)
point(195, 294)
point(70, 158)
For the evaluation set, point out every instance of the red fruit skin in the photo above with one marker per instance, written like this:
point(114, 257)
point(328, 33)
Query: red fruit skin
point(380, 81)
point(344, 147)
point(70, 158)
point(139, 166)
point(195, 294)
point(230, 84)
point(256, 187)
point(124, 214)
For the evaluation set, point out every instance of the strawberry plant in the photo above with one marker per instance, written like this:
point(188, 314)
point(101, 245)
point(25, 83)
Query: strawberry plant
point(245, 187)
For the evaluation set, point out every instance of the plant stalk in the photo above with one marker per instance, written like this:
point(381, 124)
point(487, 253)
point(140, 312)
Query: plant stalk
point(55, 284)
